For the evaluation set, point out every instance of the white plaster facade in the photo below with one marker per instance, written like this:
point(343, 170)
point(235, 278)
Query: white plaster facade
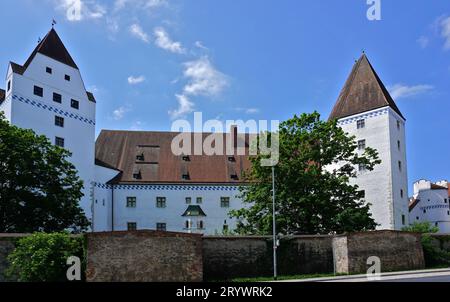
point(431, 203)
point(386, 187)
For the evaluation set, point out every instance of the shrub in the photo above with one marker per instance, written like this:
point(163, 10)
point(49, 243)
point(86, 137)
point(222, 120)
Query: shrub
point(433, 254)
point(42, 257)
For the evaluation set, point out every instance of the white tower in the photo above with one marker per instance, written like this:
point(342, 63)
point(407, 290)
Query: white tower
point(365, 110)
point(47, 95)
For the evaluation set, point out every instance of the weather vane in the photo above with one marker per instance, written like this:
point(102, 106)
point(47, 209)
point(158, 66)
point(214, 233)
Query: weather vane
point(53, 23)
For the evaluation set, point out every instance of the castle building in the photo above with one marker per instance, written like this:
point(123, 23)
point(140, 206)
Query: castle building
point(431, 203)
point(133, 180)
point(47, 95)
point(365, 110)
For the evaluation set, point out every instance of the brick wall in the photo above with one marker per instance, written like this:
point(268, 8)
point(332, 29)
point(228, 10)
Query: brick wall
point(232, 257)
point(396, 250)
point(144, 256)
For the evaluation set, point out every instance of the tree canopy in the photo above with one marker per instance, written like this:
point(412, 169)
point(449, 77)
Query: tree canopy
point(314, 194)
point(39, 188)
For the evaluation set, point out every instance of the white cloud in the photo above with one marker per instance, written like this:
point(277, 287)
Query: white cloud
point(162, 40)
point(200, 45)
point(403, 91)
point(204, 78)
point(423, 41)
point(120, 112)
point(78, 10)
point(248, 110)
point(139, 4)
point(445, 31)
point(135, 80)
point(137, 31)
point(185, 106)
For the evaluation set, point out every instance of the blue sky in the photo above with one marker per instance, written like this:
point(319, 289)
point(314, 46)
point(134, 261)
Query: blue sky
point(150, 61)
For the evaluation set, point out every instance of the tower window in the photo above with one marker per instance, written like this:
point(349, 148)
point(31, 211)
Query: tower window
point(362, 144)
point(199, 200)
point(200, 225)
point(162, 227)
point(39, 91)
point(49, 70)
point(59, 141)
point(161, 202)
point(403, 219)
point(424, 211)
point(67, 78)
point(445, 200)
point(225, 202)
point(360, 124)
point(400, 166)
point(401, 193)
point(398, 125)
point(57, 98)
point(131, 202)
point(9, 86)
point(59, 121)
point(132, 226)
point(75, 104)
point(188, 200)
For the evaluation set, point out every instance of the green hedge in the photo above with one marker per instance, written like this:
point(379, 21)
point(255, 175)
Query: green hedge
point(42, 257)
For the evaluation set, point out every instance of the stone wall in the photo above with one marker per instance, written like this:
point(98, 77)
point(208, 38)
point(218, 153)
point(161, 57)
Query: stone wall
point(442, 241)
point(144, 256)
point(396, 250)
point(232, 257)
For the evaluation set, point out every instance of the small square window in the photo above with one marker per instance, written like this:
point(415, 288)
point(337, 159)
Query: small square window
point(363, 194)
point(9, 86)
point(185, 177)
point(362, 145)
point(59, 121)
point(59, 141)
point(39, 91)
point(140, 157)
point(137, 175)
point(161, 202)
point(186, 158)
point(225, 202)
point(362, 167)
point(67, 78)
point(75, 104)
point(231, 159)
point(188, 200)
point(162, 227)
point(49, 70)
point(132, 226)
point(131, 202)
point(57, 98)
point(199, 200)
point(360, 124)
point(234, 177)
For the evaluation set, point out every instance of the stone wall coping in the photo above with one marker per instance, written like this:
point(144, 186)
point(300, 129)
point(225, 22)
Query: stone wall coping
point(268, 237)
point(143, 233)
point(377, 232)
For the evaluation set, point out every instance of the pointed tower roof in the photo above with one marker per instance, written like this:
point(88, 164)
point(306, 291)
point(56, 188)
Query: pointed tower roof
point(52, 47)
point(363, 91)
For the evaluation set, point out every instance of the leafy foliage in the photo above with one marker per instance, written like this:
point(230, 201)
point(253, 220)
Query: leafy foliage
point(42, 257)
point(39, 189)
point(433, 254)
point(313, 192)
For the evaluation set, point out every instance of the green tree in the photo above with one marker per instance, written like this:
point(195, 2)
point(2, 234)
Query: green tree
point(313, 192)
point(39, 189)
point(43, 257)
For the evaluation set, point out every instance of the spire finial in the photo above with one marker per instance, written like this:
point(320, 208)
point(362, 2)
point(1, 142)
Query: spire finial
point(39, 40)
point(53, 23)
point(363, 51)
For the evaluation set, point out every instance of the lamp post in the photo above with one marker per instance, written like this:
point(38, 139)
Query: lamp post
point(275, 243)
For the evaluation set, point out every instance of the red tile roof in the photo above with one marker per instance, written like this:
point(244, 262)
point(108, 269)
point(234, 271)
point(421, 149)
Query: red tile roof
point(2, 95)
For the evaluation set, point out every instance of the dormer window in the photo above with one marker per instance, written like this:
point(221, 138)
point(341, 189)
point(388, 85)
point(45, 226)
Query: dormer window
point(48, 70)
point(38, 91)
point(186, 158)
point(186, 176)
point(234, 177)
point(140, 157)
point(137, 174)
point(67, 78)
point(231, 159)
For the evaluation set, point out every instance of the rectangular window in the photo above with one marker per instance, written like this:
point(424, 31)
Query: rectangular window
point(75, 104)
point(403, 219)
point(49, 70)
point(59, 121)
point(67, 78)
point(131, 202)
point(362, 167)
point(400, 166)
point(445, 200)
point(186, 158)
point(39, 91)
point(188, 200)
point(59, 141)
point(57, 98)
point(199, 200)
point(401, 193)
point(162, 227)
point(225, 202)
point(132, 226)
point(9, 86)
point(360, 124)
point(362, 145)
point(185, 177)
point(398, 145)
point(398, 125)
point(200, 225)
point(160, 202)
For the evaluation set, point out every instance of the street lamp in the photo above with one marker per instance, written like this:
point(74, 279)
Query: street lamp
point(275, 243)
